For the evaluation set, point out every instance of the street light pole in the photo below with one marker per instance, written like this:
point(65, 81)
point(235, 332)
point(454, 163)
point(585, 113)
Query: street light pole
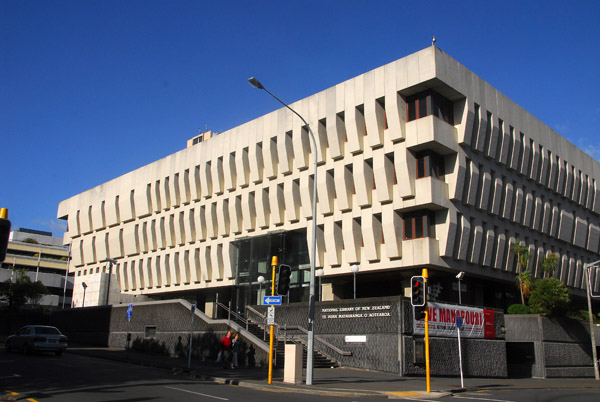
point(84, 288)
point(311, 298)
point(354, 268)
point(460, 277)
point(110, 264)
point(260, 280)
point(319, 272)
point(587, 268)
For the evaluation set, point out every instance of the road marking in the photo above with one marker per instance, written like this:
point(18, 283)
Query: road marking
point(482, 399)
point(196, 393)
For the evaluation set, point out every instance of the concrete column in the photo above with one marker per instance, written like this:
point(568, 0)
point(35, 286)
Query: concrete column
point(292, 371)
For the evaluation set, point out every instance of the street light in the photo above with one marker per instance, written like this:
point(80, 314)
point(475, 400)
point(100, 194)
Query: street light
point(354, 268)
point(260, 280)
point(319, 273)
point(587, 268)
point(110, 264)
point(460, 277)
point(311, 298)
point(84, 288)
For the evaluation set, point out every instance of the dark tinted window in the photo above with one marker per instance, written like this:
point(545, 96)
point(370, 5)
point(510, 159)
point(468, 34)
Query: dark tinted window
point(429, 102)
point(47, 331)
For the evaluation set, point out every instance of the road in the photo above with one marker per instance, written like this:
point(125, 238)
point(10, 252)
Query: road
point(522, 395)
point(76, 378)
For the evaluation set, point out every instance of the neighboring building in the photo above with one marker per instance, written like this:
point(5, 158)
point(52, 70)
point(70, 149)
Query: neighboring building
point(44, 258)
point(422, 164)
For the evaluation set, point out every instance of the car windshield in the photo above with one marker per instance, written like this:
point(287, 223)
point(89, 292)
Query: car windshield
point(47, 331)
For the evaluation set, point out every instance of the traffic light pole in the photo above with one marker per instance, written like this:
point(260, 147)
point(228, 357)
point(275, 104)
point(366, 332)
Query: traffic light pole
point(427, 367)
point(274, 266)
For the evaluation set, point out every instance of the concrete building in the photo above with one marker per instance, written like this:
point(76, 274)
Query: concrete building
point(44, 258)
point(421, 164)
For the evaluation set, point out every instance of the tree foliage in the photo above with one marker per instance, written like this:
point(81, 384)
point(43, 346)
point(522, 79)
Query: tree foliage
point(523, 277)
point(549, 297)
point(524, 283)
point(549, 264)
point(518, 309)
point(18, 293)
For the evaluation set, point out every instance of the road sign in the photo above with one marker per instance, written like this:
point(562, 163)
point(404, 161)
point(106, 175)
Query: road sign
point(129, 311)
point(193, 308)
point(459, 322)
point(272, 300)
point(271, 315)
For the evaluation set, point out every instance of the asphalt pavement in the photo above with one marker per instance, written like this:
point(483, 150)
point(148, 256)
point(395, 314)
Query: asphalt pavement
point(334, 381)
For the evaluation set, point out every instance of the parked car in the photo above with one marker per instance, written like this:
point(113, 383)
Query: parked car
point(40, 338)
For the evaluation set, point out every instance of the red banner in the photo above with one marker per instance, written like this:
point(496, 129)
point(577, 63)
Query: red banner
point(476, 322)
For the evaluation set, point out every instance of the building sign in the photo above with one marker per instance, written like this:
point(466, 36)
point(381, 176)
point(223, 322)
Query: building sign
point(476, 322)
point(356, 312)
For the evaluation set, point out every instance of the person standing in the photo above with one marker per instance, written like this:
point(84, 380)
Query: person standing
point(235, 348)
point(225, 350)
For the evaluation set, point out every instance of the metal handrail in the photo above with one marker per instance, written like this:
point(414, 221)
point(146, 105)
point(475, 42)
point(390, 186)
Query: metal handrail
point(256, 312)
point(321, 340)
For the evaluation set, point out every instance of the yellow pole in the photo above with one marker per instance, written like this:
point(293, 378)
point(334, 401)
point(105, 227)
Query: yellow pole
point(274, 266)
point(427, 367)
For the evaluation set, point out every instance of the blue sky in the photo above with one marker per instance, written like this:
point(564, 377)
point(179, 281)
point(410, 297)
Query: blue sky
point(90, 90)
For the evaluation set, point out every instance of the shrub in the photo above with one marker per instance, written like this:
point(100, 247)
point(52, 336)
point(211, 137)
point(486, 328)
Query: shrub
point(519, 309)
point(549, 297)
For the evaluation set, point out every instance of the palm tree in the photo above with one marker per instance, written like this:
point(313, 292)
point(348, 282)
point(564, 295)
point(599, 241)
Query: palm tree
point(549, 264)
point(524, 280)
point(524, 283)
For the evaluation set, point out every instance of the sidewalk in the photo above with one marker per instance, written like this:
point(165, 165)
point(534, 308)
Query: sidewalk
point(335, 381)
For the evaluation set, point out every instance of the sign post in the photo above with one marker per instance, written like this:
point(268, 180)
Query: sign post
point(427, 366)
point(274, 266)
point(458, 327)
point(129, 314)
point(193, 309)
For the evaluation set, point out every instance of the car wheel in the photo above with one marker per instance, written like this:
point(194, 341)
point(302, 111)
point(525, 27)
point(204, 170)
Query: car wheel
point(58, 352)
point(26, 349)
point(7, 347)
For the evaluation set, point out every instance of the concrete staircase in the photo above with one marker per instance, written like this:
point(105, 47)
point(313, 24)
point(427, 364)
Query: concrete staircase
point(319, 360)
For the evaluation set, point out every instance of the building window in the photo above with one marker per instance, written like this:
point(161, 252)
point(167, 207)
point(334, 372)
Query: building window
point(418, 224)
point(426, 103)
point(429, 163)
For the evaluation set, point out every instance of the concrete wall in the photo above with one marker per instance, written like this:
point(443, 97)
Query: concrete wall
point(562, 347)
point(157, 327)
point(389, 343)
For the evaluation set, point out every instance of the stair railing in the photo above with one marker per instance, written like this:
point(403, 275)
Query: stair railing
point(317, 338)
point(230, 313)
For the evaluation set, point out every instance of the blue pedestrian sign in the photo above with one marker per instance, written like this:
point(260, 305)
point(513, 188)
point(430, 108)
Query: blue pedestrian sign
point(272, 300)
point(459, 322)
point(129, 311)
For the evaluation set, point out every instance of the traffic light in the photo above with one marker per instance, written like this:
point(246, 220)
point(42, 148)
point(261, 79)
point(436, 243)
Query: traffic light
point(283, 285)
point(4, 233)
point(417, 291)
point(420, 312)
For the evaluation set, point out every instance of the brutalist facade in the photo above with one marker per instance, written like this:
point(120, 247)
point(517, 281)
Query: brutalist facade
point(420, 164)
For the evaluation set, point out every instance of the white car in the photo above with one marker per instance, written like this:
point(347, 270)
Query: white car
point(40, 338)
